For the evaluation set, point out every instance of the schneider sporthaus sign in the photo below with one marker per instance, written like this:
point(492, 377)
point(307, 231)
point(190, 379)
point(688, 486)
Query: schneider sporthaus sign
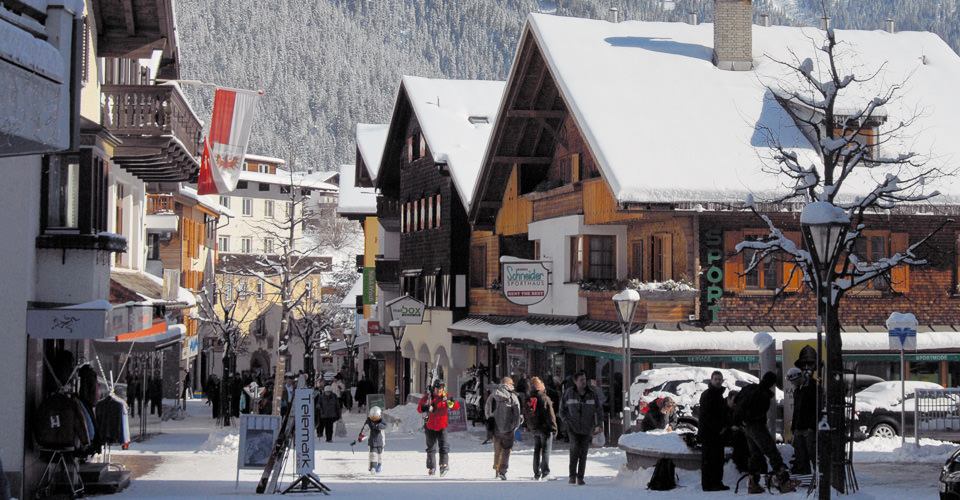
point(525, 282)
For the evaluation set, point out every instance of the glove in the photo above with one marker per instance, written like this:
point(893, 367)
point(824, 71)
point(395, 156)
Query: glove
point(430, 409)
point(360, 438)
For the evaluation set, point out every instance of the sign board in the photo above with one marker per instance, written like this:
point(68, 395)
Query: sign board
point(257, 434)
point(407, 309)
point(373, 327)
point(191, 346)
point(67, 323)
point(376, 400)
point(903, 331)
point(457, 419)
point(525, 282)
point(303, 430)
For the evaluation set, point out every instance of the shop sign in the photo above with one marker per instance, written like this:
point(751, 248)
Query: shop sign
point(303, 441)
point(713, 238)
point(67, 323)
point(525, 282)
point(408, 309)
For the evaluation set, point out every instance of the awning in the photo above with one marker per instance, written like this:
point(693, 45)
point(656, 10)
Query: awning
point(161, 339)
point(147, 289)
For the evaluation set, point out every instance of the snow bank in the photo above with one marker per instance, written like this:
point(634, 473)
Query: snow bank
point(877, 449)
point(404, 418)
point(667, 442)
point(223, 442)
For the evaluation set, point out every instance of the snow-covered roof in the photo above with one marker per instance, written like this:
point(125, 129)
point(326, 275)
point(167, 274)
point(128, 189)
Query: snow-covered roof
point(350, 299)
point(209, 202)
point(371, 138)
point(353, 199)
point(264, 159)
point(282, 177)
point(456, 118)
point(665, 125)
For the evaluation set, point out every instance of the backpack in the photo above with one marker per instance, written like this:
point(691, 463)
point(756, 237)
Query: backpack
point(664, 476)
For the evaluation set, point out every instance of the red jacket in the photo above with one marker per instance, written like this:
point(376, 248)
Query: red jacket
point(437, 419)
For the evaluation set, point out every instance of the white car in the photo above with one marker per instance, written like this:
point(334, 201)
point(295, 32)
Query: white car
point(685, 384)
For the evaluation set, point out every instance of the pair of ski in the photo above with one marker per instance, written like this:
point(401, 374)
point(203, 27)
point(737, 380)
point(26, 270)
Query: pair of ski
point(276, 460)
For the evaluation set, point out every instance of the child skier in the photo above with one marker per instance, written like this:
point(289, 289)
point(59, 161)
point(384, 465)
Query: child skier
point(376, 437)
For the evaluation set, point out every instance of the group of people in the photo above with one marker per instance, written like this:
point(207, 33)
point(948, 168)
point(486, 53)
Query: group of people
point(145, 391)
point(742, 417)
point(581, 410)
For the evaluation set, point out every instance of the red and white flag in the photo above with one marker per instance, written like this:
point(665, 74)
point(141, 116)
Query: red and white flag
point(229, 132)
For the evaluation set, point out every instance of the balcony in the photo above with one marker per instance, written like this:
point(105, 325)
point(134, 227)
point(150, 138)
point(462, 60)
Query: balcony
point(162, 137)
point(388, 213)
point(160, 203)
point(387, 271)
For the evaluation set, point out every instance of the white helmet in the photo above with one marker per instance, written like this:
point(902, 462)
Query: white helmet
point(375, 412)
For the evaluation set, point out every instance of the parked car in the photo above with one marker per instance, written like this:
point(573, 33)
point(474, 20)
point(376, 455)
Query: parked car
point(950, 477)
point(879, 406)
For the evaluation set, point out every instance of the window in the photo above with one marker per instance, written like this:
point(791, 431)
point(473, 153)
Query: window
point(75, 192)
point(227, 291)
point(284, 189)
point(225, 201)
point(247, 206)
point(263, 168)
point(308, 290)
point(872, 247)
point(593, 257)
point(268, 245)
point(259, 290)
point(436, 212)
point(241, 184)
point(661, 253)
point(765, 274)
point(153, 246)
point(864, 137)
point(637, 263)
point(289, 211)
point(246, 245)
point(478, 266)
point(264, 186)
point(430, 290)
point(223, 243)
point(268, 209)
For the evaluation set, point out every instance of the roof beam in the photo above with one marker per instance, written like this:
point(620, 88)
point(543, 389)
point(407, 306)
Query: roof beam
point(536, 160)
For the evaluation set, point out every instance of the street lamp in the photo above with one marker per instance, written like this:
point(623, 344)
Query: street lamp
point(350, 339)
point(397, 328)
point(824, 227)
point(626, 302)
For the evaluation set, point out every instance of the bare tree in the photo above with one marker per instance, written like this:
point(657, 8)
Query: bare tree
point(854, 172)
point(317, 321)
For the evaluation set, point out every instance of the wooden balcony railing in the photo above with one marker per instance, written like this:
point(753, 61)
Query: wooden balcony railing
point(151, 110)
point(158, 203)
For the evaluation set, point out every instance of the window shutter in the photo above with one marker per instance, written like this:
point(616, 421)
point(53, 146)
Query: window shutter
point(733, 280)
point(900, 275)
point(792, 274)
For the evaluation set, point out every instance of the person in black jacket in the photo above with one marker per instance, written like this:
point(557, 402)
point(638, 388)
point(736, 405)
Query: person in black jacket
point(581, 409)
point(713, 420)
point(804, 423)
point(542, 421)
point(660, 415)
point(751, 409)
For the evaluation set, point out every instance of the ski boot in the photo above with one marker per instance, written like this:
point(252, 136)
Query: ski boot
point(753, 484)
point(781, 481)
point(378, 467)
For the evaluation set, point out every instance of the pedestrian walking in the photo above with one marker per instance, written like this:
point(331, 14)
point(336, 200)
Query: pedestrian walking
point(155, 394)
point(328, 409)
point(713, 420)
point(135, 393)
point(751, 409)
point(582, 412)
point(803, 425)
point(436, 404)
point(376, 438)
point(542, 422)
point(185, 389)
point(504, 407)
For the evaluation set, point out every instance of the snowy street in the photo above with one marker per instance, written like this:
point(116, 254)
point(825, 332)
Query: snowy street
point(193, 458)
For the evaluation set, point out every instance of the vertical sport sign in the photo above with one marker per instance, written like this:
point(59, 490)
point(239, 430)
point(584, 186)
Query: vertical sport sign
point(303, 437)
point(525, 282)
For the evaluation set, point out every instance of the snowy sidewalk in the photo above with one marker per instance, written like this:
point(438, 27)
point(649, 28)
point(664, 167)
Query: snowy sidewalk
point(193, 458)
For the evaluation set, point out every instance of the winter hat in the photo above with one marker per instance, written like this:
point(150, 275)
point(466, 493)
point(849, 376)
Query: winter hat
point(769, 380)
point(375, 413)
point(327, 388)
point(794, 374)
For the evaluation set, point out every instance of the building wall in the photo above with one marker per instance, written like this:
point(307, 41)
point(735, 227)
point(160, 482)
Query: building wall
point(19, 204)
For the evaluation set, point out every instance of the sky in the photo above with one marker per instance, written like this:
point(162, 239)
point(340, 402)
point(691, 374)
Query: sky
point(198, 460)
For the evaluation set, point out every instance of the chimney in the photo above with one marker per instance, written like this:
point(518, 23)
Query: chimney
point(692, 18)
point(765, 20)
point(824, 23)
point(615, 12)
point(733, 34)
point(891, 28)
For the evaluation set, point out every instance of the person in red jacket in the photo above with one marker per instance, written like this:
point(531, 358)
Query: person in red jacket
point(435, 404)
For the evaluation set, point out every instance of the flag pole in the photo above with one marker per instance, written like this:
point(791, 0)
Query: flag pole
point(205, 84)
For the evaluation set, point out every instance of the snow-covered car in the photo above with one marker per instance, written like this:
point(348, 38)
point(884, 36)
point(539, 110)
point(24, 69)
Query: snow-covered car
point(878, 407)
point(950, 477)
point(684, 384)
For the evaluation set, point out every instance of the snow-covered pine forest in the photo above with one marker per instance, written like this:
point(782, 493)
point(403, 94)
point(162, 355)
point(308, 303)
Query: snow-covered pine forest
point(326, 65)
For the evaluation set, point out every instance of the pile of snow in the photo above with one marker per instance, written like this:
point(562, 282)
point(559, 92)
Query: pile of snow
point(663, 286)
point(878, 449)
point(659, 440)
point(222, 442)
point(404, 418)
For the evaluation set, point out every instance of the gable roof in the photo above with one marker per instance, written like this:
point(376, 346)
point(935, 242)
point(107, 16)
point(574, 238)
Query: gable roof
point(370, 141)
point(444, 109)
point(666, 126)
point(355, 200)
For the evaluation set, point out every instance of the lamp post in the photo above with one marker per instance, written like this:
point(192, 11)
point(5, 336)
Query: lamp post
point(350, 339)
point(397, 328)
point(626, 302)
point(824, 227)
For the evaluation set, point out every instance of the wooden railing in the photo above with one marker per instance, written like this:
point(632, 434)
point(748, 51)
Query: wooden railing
point(151, 110)
point(159, 203)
